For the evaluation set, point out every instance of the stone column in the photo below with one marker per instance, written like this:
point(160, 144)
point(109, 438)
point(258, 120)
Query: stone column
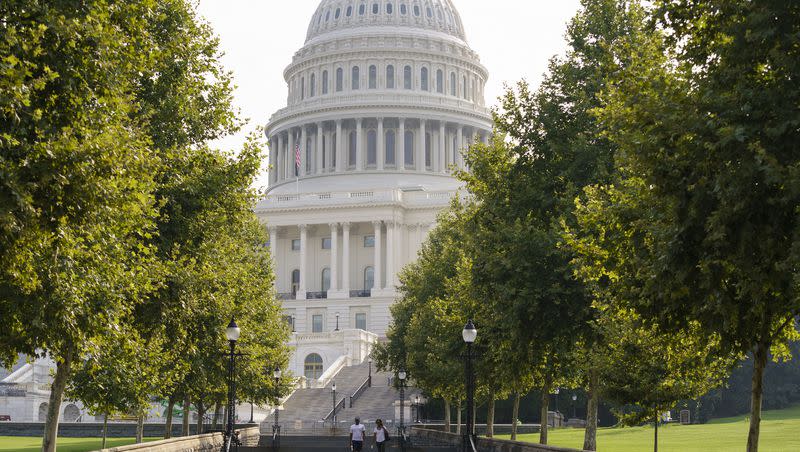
point(400, 154)
point(320, 136)
point(460, 147)
point(346, 258)
point(279, 159)
point(421, 151)
point(303, 151)
point(334, 257)
point(380, 142)
point(441, 164)
point(301, 291)
point(339, 151)
point(378, 256)
point(390, 248)
point(485, 136)
point(359, 145)
point(273, 244)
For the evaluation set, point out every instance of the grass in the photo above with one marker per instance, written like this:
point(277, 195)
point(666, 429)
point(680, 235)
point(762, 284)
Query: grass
point(30, 443)
point(780, 432)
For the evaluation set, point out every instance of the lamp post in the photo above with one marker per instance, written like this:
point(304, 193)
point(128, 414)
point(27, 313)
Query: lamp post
point(293, 329)
point(416, 402)
point(337, 322)
point(333, 392)
point(369, 378)
point(276, 429)
point(232, 333)
point(555, 393)
point(402, 429)
point(574, 398)
point(469, 334)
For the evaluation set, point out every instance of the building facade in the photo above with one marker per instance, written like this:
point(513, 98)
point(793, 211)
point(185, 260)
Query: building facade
point(382, 98)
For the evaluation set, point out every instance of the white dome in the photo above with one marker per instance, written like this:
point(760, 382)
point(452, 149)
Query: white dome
point(434, 15)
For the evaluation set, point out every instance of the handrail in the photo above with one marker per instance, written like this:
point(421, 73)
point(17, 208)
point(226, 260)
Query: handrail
point(335, 409)
point(366, 384)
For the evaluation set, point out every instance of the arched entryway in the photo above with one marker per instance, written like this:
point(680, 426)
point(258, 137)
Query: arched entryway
point(71, 413)
point(43, 412)
point(313, 366)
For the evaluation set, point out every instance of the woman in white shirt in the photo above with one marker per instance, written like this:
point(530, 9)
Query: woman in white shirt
point(381, 435)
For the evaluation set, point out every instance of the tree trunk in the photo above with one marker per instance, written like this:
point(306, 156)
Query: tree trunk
point(590, 436)
point(63, 370)
point(545, 408)
point(168, 424)
point(759, 363)
point(140, 429)
point(490, 417)
point(201, 411)
point(185, 428)
point(655, 437)
point(447, 425)
point(515, 417)
point(105, 430)
point(458, 418)
point(217, 414)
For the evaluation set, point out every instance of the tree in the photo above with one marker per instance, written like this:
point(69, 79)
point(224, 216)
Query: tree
point(705, 121)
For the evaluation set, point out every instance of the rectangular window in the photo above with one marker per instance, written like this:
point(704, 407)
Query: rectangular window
point(369, 241)
point(316, 323)
point(289, 321)
point(361, 321)
point(295, 244)
point(326, 243)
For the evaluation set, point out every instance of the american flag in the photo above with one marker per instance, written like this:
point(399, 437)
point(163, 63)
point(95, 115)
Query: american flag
point(297, 157)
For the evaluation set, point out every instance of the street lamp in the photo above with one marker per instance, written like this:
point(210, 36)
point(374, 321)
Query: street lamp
point(469, 334)
point(416, 402)
point(402, 429)
point(556, 392)
point(232, 333)
point(333, 392)
point(337, 322)
point(277, 375)
point(369, 379)
point(574, 398)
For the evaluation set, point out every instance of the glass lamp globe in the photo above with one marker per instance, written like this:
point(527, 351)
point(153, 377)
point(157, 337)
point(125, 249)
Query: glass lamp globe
point(469, 333)
point(277, 373)
point(232, 332)
point(401, 375)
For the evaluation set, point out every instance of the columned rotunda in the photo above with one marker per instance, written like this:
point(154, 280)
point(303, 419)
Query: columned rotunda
point(382, 98)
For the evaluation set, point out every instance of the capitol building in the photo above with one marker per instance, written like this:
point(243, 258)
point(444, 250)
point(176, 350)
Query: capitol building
point(382, 98)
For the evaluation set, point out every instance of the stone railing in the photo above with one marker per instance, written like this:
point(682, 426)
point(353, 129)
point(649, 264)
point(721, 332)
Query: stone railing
point(331, 372)
point(422, 198)
point(488, 444)
point(206, 442)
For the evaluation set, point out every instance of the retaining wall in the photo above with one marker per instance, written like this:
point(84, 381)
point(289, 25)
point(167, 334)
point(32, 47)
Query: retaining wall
point(95, 429)
point(489, 444)
point(207, 442)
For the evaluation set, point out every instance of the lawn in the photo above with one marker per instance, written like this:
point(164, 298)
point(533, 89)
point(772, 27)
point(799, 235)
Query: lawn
point(780, 432)
point(28, 443)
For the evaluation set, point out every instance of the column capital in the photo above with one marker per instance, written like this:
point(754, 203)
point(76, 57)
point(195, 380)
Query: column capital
point(272, 229)
point(359, 121)
point(377, 223)
point(389, 223)
point(402, 121)
point(303, 227)
point(334, 225)
point(345, 224)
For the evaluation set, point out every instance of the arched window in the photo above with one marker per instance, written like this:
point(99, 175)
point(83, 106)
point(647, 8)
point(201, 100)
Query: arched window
point(349, 11)
point(351, 154)
point(302, 88)
point(355, 75)
point(390, 77)
point(326, 279)
point(324, 82)
point(465, 92)
point(407, 77)
point(375, 8)
point(373, 77)
point(361, 9)
point(333, 150)
point(312, 90)
point(338, 13)
point(328, 16)
point(295, 281)
point(430, 13)
point(403, 9)
point(428, 153)
point(71, 413)
point(453, 86)
point(312, 366)
point(474, 90)
point(372, 148)
point(439, 81)
point(369, 278)
point(423, 76)
point(409, 148)
point(43, 412)
point(390, 147)
point(416, 10)
point(389, 8)
point(339, 79)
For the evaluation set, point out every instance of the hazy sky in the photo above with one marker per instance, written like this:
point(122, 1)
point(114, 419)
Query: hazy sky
point(514, 38)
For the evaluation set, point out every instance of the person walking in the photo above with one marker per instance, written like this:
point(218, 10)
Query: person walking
point(381, 435)
point(357, 432)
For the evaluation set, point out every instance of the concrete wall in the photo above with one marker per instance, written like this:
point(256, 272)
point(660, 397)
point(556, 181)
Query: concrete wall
point(93, 429)
point(499, 429)
point(489, 444)
point(207, 442)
